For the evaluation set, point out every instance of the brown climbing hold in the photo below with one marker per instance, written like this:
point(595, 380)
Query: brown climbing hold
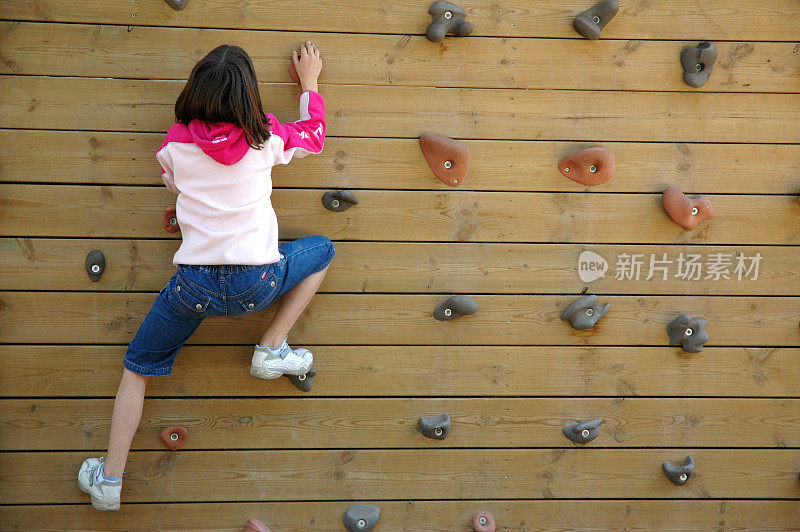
point(254, 525)
point(592, 21)
point(170, 220)
point(174, 437)
point(449, 159)
point(685, 211)
point(293, 73)
point(592, 166)
point(483, 522)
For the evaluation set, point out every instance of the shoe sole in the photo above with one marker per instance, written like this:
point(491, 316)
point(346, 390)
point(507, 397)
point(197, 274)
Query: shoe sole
point(274, 373)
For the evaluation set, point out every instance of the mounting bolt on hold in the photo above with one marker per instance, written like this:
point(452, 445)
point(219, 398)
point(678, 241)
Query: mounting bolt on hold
point(338, 200)
point(455, 307)
point(174, 437)
point(592, 21)
point(689, 332)
point(483, 522)
point(583, 432)
point(447, 18)
point(585, 312)
point(435, 427)
point(361, 517)
point(698, 62)
point(449, 159)
point(95, 264)
point(177, 5)
point(679, 475)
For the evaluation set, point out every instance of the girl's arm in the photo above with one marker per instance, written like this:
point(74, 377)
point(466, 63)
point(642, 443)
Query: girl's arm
point(307, 135)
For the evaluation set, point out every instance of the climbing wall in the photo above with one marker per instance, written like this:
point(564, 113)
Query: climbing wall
point(86, 95)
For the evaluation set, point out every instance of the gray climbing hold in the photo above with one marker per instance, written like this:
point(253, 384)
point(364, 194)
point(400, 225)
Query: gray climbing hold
point(455, 307)
point(679, 475)
point(338, 200)
point(435, 427)
point(177, 5)
point(447, 18)
point(361, 517)
point(585, 312)
point(583, 432)
point(303, 382)
point(592, 21)
point(95, 264)
point(698, 62)
point(689, 332)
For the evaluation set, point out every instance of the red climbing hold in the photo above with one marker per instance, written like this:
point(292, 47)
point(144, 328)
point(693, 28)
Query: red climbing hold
point(170, 220)
point(483, 522)
point(684, 211)
point(592, 166)
point(174, 437)
point(449, 159)
point(293, 73)
point(254, 525)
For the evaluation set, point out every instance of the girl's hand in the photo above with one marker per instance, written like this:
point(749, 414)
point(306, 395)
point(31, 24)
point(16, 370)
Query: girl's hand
point(308, 66)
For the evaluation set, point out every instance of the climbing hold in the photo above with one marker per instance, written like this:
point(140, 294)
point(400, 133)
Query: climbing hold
point(254, 525)
point(483, 522)
point(698, 62)
point(338, 200)
point(170, 220)
point(585, 312)
point(303, 382)
point(293, 73)
point(174, 437)
point(689, 332)
point(679, 475)
point(447, 18)
point(177, 5)
point(583, 432)
point(361, 517)
point(435, 427)
point(95, 264)
point(449, 159)
point(592, 166)
point(592, 21)
point(685, 211)
point(455, 307)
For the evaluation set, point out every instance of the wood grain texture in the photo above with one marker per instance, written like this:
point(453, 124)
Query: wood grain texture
point(376, 267)
point(430, 516)
point(267, 423)
point(659, 19)
point(136, 212)
point(369, 371)
point(350, 163)
point(170, 53)
point(27, 317)
point(355, 475)
point(142, 105)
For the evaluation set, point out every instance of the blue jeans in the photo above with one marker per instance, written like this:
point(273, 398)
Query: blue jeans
point(195, 292)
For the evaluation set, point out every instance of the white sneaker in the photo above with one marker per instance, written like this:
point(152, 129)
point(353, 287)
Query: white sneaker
point(268, 365)
point(105, 494)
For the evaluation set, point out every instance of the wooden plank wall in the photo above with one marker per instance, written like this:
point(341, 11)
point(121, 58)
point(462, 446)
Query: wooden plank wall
point(86, 94)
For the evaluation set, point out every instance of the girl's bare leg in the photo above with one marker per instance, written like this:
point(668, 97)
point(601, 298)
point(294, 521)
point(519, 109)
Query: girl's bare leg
point(293, 303)
point(125, 421)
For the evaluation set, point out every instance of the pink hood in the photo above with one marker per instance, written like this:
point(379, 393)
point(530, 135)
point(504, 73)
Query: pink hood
point(223, 142)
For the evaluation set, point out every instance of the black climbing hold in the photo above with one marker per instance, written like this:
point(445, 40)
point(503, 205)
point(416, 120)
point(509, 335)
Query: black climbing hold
point(435, 427)
point(698, 62)
point(585, 312)
point(455, 307)
point(583, 432)
point(592, 21)
point(679, 475)
point(338, 200)
point(177, 5)
point(361, 517)
point(303, 382)
point(689, 332)
point(447, 18)
point(95, 264)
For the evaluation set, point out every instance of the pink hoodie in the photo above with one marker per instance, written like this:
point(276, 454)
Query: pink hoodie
point(224, 186)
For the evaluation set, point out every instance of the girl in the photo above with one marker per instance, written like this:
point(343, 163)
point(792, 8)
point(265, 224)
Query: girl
point(217, 158)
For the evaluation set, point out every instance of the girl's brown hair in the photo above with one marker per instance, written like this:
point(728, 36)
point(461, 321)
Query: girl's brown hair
point(223, 88)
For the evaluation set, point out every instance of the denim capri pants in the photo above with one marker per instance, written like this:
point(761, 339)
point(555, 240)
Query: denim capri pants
point(195, 292)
